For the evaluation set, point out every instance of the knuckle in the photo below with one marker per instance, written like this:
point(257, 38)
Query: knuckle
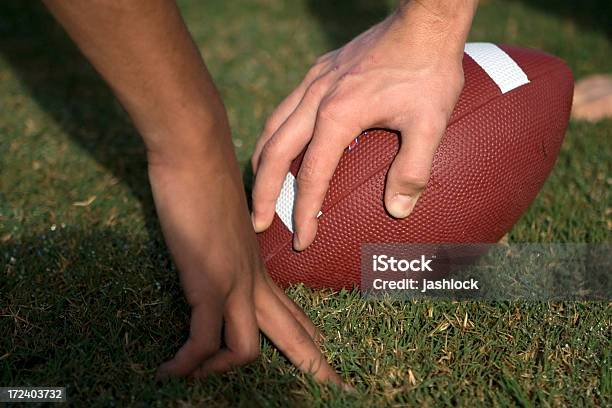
point(330, 109)
point(247, 354)
point(297, 343)
point(313, 72)
point(345, 87)
point(203, 348)
point(271, 149)
point(323, 59)
point(262, 310)
point(340, 114)
point(413, 179)
point(320, 60)
point(307, 175)
point(344, 52)
point(270, 125)
point(348, 79)
point(317, 88)
point(432, 127)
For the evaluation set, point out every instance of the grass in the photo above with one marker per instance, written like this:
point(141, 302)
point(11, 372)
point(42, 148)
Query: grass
point(89, 298)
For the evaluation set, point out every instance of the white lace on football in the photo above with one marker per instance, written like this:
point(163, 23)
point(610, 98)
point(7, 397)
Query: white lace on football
point(286, 201)
point(502, 69)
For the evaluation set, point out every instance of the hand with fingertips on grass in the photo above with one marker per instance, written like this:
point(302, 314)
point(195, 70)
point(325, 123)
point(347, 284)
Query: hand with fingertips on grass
point(144, 51)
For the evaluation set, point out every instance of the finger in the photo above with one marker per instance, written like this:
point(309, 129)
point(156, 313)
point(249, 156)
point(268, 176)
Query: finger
point(274, 121)
point(241, 336)
point(282, 112)
point(411, 168)
point(296, 311)
point(330, 138)
point(289, 336)
point(280, 150)
point(204, 340)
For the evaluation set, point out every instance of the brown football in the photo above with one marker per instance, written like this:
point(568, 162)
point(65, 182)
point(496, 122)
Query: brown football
point(500, 145)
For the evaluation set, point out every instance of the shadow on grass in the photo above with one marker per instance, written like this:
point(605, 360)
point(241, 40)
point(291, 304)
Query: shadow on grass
point(588, 14)
point(98, 312)
point(342, 20)
point(66, 87)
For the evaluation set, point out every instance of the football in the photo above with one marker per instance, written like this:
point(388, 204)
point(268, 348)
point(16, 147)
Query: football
point(500, 144)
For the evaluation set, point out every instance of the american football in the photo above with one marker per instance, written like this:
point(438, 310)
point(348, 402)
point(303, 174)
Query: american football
point(500, 144)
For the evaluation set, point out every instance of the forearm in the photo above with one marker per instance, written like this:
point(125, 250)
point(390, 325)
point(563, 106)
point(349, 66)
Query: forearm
point(144, 51)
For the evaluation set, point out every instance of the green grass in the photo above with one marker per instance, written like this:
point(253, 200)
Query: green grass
point(89, 298)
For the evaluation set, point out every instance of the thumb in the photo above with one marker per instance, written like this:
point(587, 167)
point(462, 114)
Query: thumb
point(410, 170)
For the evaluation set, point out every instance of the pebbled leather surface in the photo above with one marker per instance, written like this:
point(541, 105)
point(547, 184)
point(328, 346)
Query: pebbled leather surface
point(497, 152)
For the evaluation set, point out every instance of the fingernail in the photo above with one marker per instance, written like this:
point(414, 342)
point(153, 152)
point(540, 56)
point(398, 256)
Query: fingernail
point(296, 242)
point(401, 205)
point(256, 226)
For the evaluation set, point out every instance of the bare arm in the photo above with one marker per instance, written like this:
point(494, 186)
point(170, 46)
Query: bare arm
point(144, 51)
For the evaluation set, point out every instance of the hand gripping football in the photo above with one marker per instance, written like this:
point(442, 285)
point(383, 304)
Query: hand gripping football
point(500, 145)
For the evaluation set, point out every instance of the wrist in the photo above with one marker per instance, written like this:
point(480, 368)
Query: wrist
point(439, 25)
point(192, 139)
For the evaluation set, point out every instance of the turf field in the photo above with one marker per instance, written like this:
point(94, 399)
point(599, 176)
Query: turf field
point(89, 298)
